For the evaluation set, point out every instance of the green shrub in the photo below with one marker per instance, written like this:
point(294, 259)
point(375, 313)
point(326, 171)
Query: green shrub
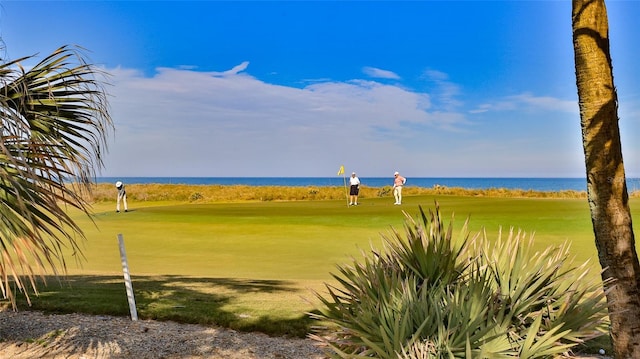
point(196, 196)
point(430, 295)
point(385, 191)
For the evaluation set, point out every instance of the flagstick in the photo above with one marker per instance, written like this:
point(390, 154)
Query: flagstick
point(346, 191)
point(344, 177)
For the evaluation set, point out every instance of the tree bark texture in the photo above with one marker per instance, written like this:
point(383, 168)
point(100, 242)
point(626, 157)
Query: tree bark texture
point(606, 183)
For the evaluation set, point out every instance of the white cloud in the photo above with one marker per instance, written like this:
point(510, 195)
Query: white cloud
point(379, 73)
point(229, 123)
point(435, 75)
point(529, 102)
point(196, 123)
point(481, 108)
point(445, 91)
point(237, 69)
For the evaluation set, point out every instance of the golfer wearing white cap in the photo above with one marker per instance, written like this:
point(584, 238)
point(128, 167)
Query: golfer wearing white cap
point(398, 182)
point(354, 182)
point(122, 196)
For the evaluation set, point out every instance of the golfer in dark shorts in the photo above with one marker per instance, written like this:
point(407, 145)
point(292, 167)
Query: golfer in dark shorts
point(354, 181)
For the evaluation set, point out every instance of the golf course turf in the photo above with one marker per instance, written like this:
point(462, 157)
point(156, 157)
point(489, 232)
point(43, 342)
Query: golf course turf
point(254, 265)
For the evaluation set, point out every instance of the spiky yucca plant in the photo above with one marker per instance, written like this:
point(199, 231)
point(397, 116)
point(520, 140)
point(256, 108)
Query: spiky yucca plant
point(431, 295)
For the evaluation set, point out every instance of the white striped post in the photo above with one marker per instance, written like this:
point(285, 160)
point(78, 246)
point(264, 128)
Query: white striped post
point(127, 279)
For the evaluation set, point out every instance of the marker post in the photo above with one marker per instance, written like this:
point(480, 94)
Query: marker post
point(127, 279)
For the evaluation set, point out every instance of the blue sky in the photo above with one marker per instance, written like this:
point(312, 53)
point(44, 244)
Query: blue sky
point(298, 88)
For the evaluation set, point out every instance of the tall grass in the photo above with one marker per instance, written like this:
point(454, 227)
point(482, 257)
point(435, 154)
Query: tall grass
point(238, 193)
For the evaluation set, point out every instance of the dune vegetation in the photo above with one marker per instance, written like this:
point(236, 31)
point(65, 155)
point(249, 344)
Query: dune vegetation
point(219, 193)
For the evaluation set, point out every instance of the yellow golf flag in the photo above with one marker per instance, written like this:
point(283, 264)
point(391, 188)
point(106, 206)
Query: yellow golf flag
point(341, 170)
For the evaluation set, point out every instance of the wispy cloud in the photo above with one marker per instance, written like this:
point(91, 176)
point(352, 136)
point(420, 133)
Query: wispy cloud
point(379, 73)
point(445, 91)
point(528, 102)
point(218, 119)
point(237, 69)
point(229, 123)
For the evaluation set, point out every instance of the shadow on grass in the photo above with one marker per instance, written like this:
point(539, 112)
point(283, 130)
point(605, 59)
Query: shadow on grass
point(240, 304)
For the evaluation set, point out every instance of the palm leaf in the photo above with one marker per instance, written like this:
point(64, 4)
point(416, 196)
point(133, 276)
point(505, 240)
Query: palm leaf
point(55, 122)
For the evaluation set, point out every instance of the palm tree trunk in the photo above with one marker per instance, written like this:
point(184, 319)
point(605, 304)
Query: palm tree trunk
point(606, 183)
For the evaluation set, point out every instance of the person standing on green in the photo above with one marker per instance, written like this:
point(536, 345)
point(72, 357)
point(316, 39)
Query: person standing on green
point(122, 196)
point(354, 181)
point(398, 182)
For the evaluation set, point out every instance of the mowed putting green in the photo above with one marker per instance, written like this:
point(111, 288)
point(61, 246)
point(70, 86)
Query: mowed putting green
point(302, 239)
point(260, 240)
point(249, 263)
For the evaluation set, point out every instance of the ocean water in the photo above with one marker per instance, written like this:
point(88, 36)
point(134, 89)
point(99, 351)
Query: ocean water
point(536, 184)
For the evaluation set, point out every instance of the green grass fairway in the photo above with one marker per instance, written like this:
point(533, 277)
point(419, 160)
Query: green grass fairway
point(301, 240)
point(251, 265)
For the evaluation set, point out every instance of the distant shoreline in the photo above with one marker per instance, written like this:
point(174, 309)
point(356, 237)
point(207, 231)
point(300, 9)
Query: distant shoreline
point(544, 184)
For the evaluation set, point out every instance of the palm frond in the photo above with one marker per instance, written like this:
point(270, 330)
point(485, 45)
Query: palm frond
point(55, 122)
